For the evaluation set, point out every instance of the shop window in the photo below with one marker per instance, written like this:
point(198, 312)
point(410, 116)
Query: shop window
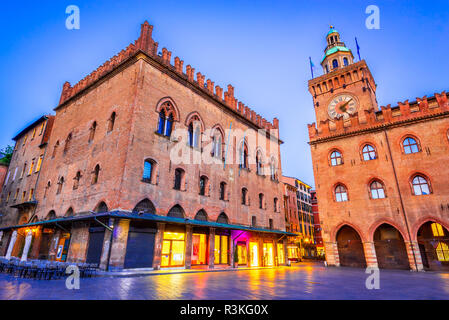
point(173, 249)
point(221, 249)
point(199, 249)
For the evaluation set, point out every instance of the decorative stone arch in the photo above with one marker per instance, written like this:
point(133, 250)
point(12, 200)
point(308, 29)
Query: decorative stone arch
point(176, 211)
point(201, 215)
point(372, 229)
point(70, 212)
point(193, 117)
point(223, 218)
point(217, 127)
point(421, 221)
point(353, 226)
point(350, 247)
point(144, 206)
point(101, 207)
point(168, 102)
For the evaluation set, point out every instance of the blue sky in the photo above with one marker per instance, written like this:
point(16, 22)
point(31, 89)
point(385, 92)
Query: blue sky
point(260, 47)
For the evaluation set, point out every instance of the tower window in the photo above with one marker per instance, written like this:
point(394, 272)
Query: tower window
point(334, 63)
point(345, 61)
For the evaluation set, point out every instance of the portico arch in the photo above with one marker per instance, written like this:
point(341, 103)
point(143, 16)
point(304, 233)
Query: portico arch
point(350, 247)
point(390, 248)
point(433, 242)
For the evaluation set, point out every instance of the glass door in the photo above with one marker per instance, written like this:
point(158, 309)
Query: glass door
point(268, 254)
point(254, 254)
point(199, 248)
point(281, 258)
point(173, 249)
point(241, 253)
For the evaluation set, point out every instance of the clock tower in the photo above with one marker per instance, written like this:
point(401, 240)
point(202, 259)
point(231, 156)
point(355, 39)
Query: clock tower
point(346, 88)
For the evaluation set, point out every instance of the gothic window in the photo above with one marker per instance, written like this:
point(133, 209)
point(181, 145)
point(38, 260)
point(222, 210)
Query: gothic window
point(55, 148)
point(95, 174)
point(195, 134)
point(101, 208)
point(259, 163)
point(275, 204)
point(166, 118)
point(420, 185)
point(341, 193)
point(144, 206)
point(217, 144)
point(336, 158)
point(273, 173)
point(368, 153)
point(243, 163)
point(410, 145)
point(60, 185)
point(201, 215)
point(111, 122)
point(92, 130)
point(223, 218)
point(377, 190)
point(253, 221)
point(76, 180)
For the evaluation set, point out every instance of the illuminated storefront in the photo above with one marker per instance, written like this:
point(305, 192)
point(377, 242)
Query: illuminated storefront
point(268, 254)
point(173, 249)
point(221, 249)
point(199, 249)
point(254, 254)
point(281, 257)
point(242, 257)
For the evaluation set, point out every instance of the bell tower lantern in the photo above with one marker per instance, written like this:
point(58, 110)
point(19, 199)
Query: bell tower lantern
point(336, 54)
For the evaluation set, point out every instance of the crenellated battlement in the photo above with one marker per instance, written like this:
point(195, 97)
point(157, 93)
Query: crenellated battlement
point(370, 119)
point(146, 44)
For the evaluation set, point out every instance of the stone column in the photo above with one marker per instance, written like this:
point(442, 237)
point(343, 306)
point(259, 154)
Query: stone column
point(11, 245)
point(35, 248)
point(118, 246)
point(158, 246)
point(27, 245)
point(78, 242)
point(106, 246)
point(417, 255)
point(211, 248)
point(332, 257)
point(261, 257)
point(370, 255)
point(285, 245)
point(188, 253)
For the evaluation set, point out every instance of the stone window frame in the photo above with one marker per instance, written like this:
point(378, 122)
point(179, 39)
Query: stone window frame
point(334, 191)
point(414, 137)
point(362, 152)
point(426, 178)
point(370, 183)
point(330, 158)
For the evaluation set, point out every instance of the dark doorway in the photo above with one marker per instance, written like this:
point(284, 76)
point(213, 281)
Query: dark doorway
point(140, 246)
point(95, 245)
point(433, 240)
point(390, 248)
point(350, 248)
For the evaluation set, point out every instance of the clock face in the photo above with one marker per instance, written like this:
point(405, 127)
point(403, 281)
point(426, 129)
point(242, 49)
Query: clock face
point(342, 105)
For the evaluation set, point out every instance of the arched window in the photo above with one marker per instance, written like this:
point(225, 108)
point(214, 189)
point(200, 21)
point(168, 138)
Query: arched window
point(273, 172)
point(204, 186)
point(144, 206)
point(101, 208)
point(340, 193)
point(76, 180)
point(60, 184)
point(270, 224)
point(217, 144)
point(259, 163)
point(179, 179)
point(47, 187)
point(51, 215)
point(92, 129)
point(377, 190)
point(55, 148)
point(67, 142)
point(222, 190)
point(345, 61)
point(336, 158)
point(177, 212)
point(334, 64)
point(166, 118)
point(111, 122)
point(410, 145)
point(243, 163)
point(420, 185)
point(369, 153)
point(223, 218)
point(201, 215)
point(150, 171)
point(261, 201)
point(327, 68)
point(95, 174)
point(244, 196)
point(275, 204)
point(69, 212)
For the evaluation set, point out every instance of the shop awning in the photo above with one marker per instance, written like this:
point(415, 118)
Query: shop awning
point(149, 217)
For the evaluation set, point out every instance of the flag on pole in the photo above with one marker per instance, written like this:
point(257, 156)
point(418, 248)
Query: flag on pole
point(358, 48)
point(311, 66)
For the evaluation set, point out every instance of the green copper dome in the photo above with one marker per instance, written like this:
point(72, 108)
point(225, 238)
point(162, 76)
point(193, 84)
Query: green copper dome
point(333, 50)
point(332, 30)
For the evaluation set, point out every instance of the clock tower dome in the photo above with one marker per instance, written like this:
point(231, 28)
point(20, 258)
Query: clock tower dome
point(346, 88)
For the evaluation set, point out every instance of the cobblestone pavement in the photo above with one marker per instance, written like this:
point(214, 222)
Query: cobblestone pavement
point(305, 281)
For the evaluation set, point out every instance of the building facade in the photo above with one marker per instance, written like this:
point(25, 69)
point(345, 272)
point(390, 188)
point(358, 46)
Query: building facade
point(317, 225)
point(380, 173)
point(3, 174)
point(149, 165)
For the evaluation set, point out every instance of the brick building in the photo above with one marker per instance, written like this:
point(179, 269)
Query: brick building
point(317, 225)
point(150, 166)
point(3, 173)
point(380, 173)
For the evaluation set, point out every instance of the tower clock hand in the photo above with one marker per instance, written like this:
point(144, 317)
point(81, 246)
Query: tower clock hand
point(342, 107)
